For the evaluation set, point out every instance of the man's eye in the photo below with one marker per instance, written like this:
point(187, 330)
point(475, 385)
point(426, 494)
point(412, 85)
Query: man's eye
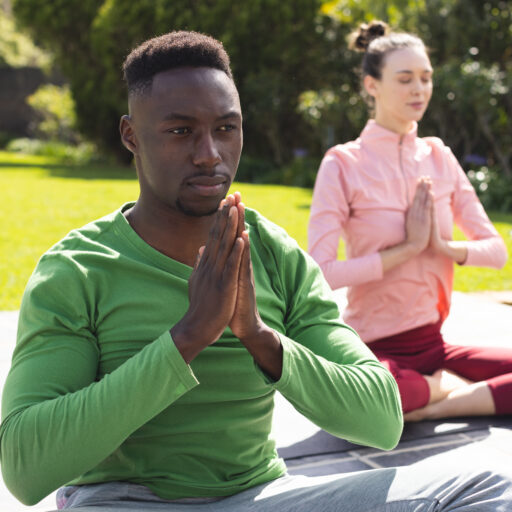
point(180, 131)
point(227, 127)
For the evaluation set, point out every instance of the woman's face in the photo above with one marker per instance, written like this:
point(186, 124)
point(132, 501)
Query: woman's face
point(404, 90)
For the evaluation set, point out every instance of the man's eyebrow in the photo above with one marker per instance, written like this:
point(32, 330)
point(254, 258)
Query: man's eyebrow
point(230, 114)
point(176, 116)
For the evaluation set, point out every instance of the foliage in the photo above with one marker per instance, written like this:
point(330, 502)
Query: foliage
point(79, 154)
point(472, 104)
point(16, 48)
point(42, 200)
point(471, 109)
point(5, 137)
point(55, 108)
point(493, 188)
point(299, 172)
point(90, 39)
point(298, 81)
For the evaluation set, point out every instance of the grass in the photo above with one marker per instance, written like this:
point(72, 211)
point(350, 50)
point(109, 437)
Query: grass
point(43, 200)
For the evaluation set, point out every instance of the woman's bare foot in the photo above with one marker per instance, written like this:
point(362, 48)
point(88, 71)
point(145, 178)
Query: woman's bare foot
point(470, 400)
point(417, 414)
point(442, 382)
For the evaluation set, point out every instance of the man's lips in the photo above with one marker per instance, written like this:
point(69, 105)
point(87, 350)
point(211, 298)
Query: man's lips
point(208, 185)
point(207, 181)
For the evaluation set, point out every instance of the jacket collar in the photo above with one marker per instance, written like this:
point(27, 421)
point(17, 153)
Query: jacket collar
point(374, 133)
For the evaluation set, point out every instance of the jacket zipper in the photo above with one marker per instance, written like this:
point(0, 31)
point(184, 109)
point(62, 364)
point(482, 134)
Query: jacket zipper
point(402, 170)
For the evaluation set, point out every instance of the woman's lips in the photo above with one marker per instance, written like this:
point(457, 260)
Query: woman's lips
point(416, 106)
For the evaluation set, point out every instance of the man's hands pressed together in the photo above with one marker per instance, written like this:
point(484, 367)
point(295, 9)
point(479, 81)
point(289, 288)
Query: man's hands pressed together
point(222, 294)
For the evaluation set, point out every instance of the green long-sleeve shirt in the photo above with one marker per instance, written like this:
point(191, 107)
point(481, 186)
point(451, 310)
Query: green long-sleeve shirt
point(99, 392)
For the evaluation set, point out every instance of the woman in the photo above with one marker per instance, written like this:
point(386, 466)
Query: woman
point(393, 197)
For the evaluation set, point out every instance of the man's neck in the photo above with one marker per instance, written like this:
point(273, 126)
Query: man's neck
point(170, 232)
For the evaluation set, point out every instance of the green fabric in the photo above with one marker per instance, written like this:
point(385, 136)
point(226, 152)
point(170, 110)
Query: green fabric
point(98, 391)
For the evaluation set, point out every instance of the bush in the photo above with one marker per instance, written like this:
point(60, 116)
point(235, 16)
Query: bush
point(300, 172)
point(80, 154)
point(5, 138)
point(296, 77)
point(493, 188)
point(255, 170)
point(277, 48)
point(55, 109)
point(17, 49)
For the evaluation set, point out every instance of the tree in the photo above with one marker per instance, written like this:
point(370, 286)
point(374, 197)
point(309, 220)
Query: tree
point(298, 81)
point(278, 49)
point(470, 44)
point(16, 49)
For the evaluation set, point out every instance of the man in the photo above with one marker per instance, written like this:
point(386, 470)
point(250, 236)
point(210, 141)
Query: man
point(151, 341)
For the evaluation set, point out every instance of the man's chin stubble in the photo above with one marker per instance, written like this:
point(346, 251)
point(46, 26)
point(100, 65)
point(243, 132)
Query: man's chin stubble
point(194, 212)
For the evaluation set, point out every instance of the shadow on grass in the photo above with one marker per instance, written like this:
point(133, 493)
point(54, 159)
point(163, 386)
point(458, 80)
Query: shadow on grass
point(84, 172)
point(500, 217)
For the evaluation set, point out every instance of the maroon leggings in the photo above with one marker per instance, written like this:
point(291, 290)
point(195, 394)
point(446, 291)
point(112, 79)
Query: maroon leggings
point(410, 354)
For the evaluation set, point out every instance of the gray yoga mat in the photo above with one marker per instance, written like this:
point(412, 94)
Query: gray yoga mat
point(321, 443)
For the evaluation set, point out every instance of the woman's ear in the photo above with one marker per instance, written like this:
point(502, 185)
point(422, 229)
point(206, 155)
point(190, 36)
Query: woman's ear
point(370, 85)
point(128, 134)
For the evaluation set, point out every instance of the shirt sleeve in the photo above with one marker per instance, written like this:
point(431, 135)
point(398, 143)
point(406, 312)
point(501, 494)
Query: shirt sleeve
point(329, 375)
point(330, 211)
point(485, 246)
point(58, 420)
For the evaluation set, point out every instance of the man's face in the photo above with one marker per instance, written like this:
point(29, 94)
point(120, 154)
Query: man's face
point(186, 136)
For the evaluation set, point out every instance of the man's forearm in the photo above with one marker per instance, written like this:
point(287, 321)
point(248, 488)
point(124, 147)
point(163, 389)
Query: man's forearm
point(47, 444)
point(265, 347)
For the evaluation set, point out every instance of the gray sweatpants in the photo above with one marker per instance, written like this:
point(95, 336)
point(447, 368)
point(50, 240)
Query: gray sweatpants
point(427, 486)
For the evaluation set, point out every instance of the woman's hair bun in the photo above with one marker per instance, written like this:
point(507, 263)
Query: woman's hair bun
point(361, 38)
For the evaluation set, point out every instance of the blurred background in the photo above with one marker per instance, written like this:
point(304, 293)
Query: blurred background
point(61, 96)
point(297, 79)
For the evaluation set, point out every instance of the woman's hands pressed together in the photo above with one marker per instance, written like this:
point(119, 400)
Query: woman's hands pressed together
point(418, 220)
point(422, 231)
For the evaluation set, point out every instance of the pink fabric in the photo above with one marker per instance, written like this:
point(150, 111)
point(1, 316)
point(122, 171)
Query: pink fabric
point(421, 351)
point(362, 193)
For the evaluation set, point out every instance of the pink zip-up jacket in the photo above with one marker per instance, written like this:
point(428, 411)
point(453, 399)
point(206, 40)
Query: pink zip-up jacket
point(362, 193)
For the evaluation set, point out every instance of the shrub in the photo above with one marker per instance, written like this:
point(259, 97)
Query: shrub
point(80, 154)
point(493, 188)
point(55, 109)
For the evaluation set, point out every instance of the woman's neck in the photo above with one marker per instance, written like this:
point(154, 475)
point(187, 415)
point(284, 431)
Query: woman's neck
point(394, 125)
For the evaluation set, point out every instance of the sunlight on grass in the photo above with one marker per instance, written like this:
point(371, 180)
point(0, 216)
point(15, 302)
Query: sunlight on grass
point(470, 279)
point(42, 201)
point(286, 206)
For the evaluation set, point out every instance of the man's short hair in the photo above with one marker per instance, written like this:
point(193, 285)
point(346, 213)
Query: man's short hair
point(176, 49)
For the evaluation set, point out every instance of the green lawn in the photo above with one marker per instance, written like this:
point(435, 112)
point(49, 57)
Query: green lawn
point(43, 200)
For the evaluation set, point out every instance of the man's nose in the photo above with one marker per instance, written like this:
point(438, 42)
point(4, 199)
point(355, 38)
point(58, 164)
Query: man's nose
point(206, 152)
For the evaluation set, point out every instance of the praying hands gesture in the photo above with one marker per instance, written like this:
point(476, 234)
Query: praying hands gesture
point(222, 294)
point(422, 231)
point(456, 251)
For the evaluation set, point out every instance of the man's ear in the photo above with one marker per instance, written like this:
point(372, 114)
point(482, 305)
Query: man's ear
point(128, 134)
point(370, 85)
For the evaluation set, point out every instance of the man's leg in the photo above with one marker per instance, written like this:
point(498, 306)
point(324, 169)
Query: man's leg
point(428, 486)
point(432, 485)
